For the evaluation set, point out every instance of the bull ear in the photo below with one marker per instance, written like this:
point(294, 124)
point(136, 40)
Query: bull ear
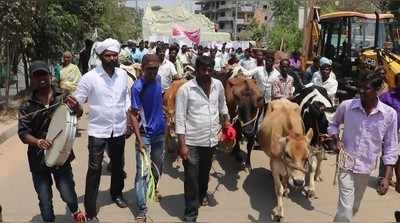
point(309, 135)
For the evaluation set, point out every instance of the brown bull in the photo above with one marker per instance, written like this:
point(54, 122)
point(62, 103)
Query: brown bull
point(244, 100)
point(169, 107)
point(282, 138)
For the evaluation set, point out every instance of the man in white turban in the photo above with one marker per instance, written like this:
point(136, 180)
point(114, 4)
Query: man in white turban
point(326, 78)
point(105, 90)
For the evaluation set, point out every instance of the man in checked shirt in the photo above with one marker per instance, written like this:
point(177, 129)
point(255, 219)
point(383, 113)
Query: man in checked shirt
point(370, 129)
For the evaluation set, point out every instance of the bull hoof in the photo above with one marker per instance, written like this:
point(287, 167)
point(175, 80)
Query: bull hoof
point(277, 214)
point(311, 194)
point(276, 218)
point(286, 192)
point(318, 179)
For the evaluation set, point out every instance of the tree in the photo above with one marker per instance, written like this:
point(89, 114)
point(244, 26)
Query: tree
point(119, 22)
point(15, 28)
point(285, 29)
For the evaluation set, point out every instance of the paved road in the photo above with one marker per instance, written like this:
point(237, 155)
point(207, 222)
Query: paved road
point(239, 196)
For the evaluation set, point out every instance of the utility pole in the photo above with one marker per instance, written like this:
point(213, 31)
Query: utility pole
point(235, 21)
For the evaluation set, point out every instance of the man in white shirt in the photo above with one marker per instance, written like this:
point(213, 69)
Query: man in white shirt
point(199, 105)
point(105, 90)
point(326, 78)
point(216, 55)
point(183, 55)
point(224, 56)
point(265, 77)
point(166, 70)
point(248, 62)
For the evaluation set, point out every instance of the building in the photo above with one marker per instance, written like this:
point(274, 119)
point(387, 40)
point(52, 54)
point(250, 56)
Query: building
point(158, 23)
point(223, 13)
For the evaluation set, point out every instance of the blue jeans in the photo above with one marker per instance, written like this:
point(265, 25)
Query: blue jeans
point(65, 184)
point(156, 148)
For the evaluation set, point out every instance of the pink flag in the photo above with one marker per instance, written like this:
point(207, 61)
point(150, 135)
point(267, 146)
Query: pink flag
point(193, 36)
point(178, 31)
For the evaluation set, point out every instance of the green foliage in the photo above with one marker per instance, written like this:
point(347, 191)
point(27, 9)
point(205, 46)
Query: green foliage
point(290, 34)
point(44, 29)
point(119, 23)
point(285, 26)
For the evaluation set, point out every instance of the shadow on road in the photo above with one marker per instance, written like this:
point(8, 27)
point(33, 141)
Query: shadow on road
point(59, 218)
point(174, 205)
point(231, 168)
point(103, 199)
point(259, 187)
point(172, 167)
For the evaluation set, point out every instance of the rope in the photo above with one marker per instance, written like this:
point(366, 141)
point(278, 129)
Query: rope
point(237, 118)
point(150, 179)
point(344, 162)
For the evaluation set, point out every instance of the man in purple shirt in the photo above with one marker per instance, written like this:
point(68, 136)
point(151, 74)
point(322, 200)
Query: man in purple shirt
point(391, 98)
point(370, 129)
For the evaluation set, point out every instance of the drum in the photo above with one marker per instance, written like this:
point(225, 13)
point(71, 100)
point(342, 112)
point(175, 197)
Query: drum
point(61, 133)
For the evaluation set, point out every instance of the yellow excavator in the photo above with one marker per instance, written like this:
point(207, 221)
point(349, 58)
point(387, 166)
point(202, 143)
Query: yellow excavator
point(352, 40)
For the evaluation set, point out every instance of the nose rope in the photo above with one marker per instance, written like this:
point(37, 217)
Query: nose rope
point(291, 165)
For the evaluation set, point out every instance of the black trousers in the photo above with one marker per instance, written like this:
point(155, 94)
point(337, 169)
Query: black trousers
point(96, 147)
point(197, 170)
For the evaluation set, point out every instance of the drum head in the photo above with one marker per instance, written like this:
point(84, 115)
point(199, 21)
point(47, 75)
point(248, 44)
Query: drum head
point(62, 133)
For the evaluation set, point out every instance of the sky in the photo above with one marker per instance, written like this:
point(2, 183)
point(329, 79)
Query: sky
point(142, 3)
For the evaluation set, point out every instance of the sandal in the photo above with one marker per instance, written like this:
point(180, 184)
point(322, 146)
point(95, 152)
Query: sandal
point(140, 219)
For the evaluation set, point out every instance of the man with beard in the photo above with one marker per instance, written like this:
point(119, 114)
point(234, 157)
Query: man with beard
point(32, 130)
point(200, 103)
point(104, 88)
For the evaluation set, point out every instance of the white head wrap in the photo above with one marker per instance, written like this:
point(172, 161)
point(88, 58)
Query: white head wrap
point(324, 61)
point(108, 44)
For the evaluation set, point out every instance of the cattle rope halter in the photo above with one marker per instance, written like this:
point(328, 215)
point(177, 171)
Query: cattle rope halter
point(237, 118)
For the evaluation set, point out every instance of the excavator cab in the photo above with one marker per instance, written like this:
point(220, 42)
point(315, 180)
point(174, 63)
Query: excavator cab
point(345, 36)
point(353, 40)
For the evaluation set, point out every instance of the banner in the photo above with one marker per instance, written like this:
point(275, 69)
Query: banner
point(178, 32)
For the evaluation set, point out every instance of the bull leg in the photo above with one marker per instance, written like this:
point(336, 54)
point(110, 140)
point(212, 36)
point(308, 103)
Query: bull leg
point(285, 183)
point(318, 177)
point(310, 193)
point(236, 150)
point(250, 144)
point(279, 191)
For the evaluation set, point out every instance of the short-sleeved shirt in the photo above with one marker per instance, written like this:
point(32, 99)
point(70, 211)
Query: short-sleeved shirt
point(147, 99)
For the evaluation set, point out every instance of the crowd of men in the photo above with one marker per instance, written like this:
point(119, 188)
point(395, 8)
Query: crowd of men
point(122, 103)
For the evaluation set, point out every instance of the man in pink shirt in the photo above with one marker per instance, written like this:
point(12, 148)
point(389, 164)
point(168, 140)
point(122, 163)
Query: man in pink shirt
point(370, 129)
